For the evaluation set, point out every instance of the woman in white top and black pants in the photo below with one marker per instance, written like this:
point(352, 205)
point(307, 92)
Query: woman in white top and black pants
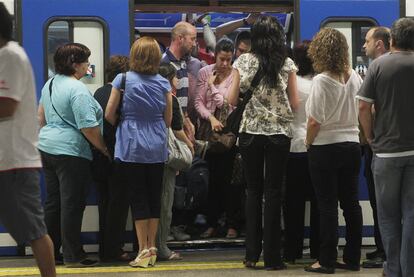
point(298, 182)
point(333, 149)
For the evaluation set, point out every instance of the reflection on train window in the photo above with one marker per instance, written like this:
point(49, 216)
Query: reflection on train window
point(87, 32)
point(58, 34)
point(354, 32)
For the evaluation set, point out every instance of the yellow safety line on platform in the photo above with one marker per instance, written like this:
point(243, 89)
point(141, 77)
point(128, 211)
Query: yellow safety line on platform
point(24, 271)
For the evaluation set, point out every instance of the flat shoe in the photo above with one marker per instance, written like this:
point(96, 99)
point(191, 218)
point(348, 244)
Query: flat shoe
point(373, 263)
point(321, 269)
point(276, 267)
point(250, 264)
point(347, 266)
point(232, 234)
point(208, 233)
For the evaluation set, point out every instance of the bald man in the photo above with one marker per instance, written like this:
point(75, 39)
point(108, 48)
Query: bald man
point(183, 41)
point(377, 43)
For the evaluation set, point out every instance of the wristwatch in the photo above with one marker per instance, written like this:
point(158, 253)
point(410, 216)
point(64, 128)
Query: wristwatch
point(245, 23)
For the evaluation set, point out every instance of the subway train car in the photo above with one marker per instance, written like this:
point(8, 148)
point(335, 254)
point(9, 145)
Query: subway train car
point(109, 27)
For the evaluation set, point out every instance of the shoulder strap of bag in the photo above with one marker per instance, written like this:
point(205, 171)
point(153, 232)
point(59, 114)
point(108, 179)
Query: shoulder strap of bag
point(122, 88)
point(123, 81)
point(64, 120)
point(255, 82)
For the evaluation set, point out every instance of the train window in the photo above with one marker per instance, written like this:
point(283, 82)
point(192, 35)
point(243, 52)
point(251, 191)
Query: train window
point(354, 31)
point(160, 24)
point(58, 34)
point(87, 32)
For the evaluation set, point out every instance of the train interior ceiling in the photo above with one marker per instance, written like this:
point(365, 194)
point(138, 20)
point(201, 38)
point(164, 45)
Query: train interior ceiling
point(150, 20)
point(157, 18)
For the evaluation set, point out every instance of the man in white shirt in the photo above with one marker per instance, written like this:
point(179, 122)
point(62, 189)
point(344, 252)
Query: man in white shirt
point(21, 211)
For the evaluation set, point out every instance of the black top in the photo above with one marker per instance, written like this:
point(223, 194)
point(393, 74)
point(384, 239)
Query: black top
point(177, 119)
point(102, 96)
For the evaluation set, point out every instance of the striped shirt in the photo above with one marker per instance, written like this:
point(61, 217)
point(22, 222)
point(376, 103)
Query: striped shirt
point(182, 76)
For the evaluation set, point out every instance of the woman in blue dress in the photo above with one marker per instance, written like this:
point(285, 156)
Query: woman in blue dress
point(141, 140)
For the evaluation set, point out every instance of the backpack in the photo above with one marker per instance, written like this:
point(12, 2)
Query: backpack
point(191, 188)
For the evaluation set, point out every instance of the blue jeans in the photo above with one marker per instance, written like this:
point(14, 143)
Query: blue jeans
point(394, 186)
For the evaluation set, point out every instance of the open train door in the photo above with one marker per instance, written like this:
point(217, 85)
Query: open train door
point(106, 27)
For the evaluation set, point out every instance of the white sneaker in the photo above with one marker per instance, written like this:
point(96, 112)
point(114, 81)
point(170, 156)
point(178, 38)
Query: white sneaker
point(179, 234)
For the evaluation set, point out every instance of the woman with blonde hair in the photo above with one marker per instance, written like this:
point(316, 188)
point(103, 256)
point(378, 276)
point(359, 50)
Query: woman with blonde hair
point(333, 149)
point(141, 140)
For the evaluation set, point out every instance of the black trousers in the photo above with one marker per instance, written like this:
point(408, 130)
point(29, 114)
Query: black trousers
point(113, 212)
point(299, 189)
point(371, 193)
point(67, 181)
point(220, 191)
point(334, 170)
point(264, 163)
point(144, 182)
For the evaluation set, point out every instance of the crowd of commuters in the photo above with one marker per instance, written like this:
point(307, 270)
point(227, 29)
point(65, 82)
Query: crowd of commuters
point(299, 140)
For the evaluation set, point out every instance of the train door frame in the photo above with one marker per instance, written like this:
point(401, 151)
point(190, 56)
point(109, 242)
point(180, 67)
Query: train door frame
point(353, 45)
point(30, 31)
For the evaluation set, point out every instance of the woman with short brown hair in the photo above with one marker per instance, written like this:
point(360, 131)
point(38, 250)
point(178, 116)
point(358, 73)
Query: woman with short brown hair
point(70, 118)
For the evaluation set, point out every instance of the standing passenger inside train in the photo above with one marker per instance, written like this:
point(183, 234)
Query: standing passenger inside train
point(168, 71)
point(242, 44)
point(377, 43)
point(389, 86)
point(21, 210)
point(215, 83)
point(333, 149)
point(265, 134)
point(112, 190)
point(183, 40)
point(141, 140)
point(70, 118)
point(298, 183)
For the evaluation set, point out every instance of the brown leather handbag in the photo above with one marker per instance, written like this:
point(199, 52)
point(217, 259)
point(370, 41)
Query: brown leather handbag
point(218, 142)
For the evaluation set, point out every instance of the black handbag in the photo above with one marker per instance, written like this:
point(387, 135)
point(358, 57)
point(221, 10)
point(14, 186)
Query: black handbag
point(234, 119)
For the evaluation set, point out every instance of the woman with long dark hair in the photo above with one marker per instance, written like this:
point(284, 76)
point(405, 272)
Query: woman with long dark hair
point(265, 134)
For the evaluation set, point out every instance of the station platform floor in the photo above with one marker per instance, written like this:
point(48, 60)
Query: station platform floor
point(199, 262)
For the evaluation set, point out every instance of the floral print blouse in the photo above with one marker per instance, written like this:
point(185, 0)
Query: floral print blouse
point(268, 112)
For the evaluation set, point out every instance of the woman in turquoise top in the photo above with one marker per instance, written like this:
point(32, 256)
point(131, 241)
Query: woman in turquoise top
point(141, 139)
point(70, 117)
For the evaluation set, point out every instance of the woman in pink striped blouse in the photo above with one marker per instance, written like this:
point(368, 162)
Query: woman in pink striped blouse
point(215, 84)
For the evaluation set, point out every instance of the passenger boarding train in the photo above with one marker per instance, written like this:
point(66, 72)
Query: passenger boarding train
point(109, 27)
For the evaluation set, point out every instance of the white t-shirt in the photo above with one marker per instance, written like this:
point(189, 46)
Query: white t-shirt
point(333, 105)
point(19, 133)
point(298, 124)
